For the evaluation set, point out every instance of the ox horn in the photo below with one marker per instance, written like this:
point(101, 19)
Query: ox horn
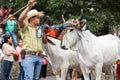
point(63, 18)
point(81, 16)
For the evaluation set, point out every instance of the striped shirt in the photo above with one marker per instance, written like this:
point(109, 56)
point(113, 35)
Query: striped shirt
point(30, 41)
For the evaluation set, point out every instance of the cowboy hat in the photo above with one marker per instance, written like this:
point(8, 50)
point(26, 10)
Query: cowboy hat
point(32, 13)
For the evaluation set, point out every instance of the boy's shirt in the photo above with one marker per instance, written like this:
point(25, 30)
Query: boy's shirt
point(10, 25)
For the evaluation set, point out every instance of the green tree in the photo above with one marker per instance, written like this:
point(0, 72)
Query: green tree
point(100, 14)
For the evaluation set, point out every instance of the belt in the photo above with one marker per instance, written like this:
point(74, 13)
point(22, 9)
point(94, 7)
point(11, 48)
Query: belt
point(33, 53)
point(10, 31)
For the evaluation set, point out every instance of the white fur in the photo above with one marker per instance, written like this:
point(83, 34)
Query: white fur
point(60, 59)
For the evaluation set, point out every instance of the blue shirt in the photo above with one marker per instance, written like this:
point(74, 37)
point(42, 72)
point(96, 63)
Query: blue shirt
point(10, 25)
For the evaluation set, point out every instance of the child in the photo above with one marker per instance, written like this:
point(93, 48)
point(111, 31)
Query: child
point(18, 51)
point(43, 72)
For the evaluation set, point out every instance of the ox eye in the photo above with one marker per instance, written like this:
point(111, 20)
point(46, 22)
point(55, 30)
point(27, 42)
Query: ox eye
point(71, 30)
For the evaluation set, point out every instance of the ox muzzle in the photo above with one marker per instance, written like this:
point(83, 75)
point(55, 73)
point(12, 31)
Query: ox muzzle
point(63, 47)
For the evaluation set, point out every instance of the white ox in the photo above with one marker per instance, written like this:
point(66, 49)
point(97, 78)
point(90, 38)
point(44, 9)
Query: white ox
point(60, 59)
point(94, 52)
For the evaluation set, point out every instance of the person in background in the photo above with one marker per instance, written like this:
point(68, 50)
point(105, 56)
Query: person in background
point(74, 74)
point(10, 25)
point(1, 38)
point(1, 53)
point(5, 11)
point(18, 51)
point(1, 18)
point(9, 51)
point(43, 72)
point(1, 59)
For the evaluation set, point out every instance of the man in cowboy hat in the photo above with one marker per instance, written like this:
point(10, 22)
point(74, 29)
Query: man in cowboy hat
point(28, 21)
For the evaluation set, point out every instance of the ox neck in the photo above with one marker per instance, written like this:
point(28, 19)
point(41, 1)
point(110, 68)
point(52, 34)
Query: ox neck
point(52, 50)
point(87, 39)
point(85, 48)
point(85, 43)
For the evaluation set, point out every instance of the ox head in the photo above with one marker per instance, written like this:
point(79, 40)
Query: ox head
point(70, 34)
point(68, 37)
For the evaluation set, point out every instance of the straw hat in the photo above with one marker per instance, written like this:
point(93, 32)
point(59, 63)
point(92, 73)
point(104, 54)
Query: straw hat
point(32, 13)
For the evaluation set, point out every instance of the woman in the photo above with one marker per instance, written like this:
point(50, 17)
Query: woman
point(9, 51)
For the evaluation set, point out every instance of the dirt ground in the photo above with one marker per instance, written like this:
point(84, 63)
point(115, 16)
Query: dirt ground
point(50, 75)
point(53, 78)
point(50, 78)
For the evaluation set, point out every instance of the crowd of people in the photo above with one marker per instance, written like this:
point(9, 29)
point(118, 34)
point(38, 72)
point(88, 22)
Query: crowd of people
point(9, 47)
point(30, 55)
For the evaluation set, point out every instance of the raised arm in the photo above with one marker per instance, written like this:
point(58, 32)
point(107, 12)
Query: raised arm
point(23, 15)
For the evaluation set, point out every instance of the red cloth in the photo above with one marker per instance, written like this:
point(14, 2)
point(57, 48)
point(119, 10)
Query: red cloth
point(118, 72)
point(60, 37)
point(117, 62)
point(4, 12)
point(51, 32)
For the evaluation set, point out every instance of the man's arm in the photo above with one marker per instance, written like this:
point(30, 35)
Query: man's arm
point(23, 15)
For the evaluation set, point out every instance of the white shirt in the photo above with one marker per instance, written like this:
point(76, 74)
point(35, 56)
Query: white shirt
point(9, 58)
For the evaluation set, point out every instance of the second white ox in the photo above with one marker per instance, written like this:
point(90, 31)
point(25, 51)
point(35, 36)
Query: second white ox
point(60, 59)
point(94, 52)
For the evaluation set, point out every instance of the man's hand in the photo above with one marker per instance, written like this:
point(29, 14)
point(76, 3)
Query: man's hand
point(31, 3)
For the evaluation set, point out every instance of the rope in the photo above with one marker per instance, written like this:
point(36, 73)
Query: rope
point(15, 13)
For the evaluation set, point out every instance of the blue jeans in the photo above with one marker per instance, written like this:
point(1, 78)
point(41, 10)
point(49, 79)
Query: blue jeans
point(0, 70)
point(21, 74)
point(12, 34)
point(7, 66)
point(32, 67)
